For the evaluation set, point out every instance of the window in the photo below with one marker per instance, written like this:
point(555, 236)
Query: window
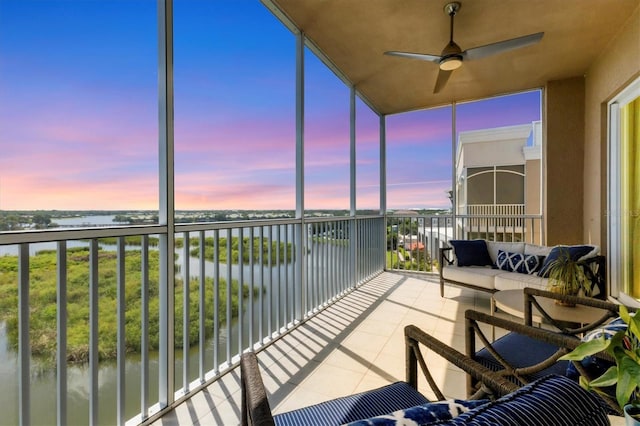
point(234, 108)
point(367, 159)
point(624, 193)
point(79, 110)
point(327, 140)
point(419, 159)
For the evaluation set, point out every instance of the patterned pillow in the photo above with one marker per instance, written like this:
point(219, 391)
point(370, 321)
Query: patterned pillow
point(423, 414)
point(531, 264)
point(509, 261)
point(517, 262)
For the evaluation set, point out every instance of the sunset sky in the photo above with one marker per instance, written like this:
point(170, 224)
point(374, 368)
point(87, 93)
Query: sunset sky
point(79, 114)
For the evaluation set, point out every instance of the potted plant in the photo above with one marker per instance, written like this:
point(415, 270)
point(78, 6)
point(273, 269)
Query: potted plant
point(624, 347)
point(567, 276)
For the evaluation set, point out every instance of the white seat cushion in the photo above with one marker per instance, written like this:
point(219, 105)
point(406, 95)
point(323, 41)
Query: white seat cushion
point(515, 280)
point(479, 276)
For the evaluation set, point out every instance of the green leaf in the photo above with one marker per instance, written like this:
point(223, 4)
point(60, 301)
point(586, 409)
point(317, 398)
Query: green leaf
point(608, 378)
point(585, 349)
point(628, 378)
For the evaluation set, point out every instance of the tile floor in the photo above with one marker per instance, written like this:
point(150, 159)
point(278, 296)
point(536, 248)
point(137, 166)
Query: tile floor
point(354, 345)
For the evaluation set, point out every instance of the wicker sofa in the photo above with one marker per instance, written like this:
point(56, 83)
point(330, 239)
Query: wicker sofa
point(492, 266)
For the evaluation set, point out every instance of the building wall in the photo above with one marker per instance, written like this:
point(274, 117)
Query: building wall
point(532, 196)
point(618, 66)
point(564, 160)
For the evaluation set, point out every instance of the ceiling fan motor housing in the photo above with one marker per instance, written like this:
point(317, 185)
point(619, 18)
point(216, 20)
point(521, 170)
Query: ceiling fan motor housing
point(451, 57)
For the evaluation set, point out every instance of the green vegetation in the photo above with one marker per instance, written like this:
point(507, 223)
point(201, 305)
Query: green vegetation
point(43, 307)
point(283, 251)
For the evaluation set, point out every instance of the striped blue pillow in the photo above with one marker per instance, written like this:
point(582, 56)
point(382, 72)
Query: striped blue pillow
point(552, 400)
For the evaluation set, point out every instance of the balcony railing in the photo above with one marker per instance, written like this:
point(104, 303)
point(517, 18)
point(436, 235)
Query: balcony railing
point(96, 332)
point(101, 335)
point(413, 241)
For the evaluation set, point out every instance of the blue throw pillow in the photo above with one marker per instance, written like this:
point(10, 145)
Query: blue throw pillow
point(518, 262)
point(552, 400)
point(531, 264)
point(575, 252)
point(471, 252)
point(508, 261)
point(423, 414)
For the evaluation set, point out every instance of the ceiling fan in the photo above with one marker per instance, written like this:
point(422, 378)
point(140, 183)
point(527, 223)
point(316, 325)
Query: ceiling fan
point(452, 56)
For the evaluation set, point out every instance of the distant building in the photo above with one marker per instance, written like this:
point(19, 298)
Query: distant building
point(498, 173)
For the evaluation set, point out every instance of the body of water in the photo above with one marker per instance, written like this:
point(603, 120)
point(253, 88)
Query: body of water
point(43, 375)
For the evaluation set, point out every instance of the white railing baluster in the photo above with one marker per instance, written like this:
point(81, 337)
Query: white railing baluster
point(93, 332)
point(202, 305)
point(229, 293)
point(216, 299)
point(144, 322)
point(240, 288)
point(61, 321)
point(262, 287)
point(186, 273)
point(251, 288)
point(120, 345)
point(24, 345)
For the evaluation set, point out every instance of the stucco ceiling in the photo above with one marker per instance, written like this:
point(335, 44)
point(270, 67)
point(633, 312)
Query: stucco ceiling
point(353, 34)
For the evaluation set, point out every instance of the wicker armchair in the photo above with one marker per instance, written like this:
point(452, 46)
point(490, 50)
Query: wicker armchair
point(257, 411)
point(552, 399)
point(525, 353)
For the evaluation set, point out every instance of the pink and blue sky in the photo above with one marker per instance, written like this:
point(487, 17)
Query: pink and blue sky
point(79, 114)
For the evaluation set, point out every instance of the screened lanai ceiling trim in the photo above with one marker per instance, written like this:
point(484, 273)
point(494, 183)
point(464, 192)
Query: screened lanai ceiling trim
point(354, 34)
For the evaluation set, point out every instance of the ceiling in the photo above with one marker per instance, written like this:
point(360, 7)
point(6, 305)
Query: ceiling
point(353, 34)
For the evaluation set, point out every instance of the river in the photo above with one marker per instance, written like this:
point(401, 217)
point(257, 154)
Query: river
point(43, 377)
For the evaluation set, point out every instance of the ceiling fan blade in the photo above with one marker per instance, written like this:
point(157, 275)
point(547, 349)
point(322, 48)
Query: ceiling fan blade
point(502, 46)
point(441, 81)
point(419, 56)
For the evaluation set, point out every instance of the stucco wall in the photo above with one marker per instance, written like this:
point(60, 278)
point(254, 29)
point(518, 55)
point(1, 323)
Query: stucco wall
point(618, 66)
point(564, 147)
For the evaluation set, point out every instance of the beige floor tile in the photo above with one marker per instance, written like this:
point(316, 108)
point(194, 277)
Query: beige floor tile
point(355, 345)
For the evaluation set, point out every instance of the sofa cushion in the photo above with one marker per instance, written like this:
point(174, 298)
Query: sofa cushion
point(514, 280)
point(479, 276)
point(386, 399)
point(552, 400)
point(537, 249)
point(580, 252)
point(494, 246)
point(471, 252)
point(521, 351)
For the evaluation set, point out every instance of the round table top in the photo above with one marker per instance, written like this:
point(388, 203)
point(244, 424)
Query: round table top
point(512, 302)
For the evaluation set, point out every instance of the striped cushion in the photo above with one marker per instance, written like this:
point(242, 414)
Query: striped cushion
point(552, 400)
point(423, 414)
point(387, 399)
point(521, 351)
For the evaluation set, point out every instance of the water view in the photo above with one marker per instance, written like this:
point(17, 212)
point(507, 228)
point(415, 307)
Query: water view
point(268, 284)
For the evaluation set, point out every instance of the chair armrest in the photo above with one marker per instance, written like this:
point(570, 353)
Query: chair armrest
point(255, 405)
point(414, 337)
point(609, 310)
point(527, 364)
point(594, 270)
point(443, 256)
